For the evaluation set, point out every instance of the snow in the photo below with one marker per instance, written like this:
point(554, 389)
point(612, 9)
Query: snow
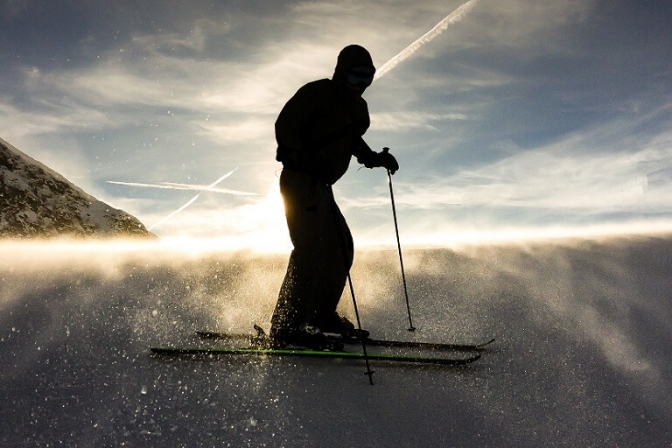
point(47, 173)
point(37, 201)
point(583, 334)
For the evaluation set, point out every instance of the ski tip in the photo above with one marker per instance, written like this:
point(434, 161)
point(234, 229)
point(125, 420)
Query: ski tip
point(486, 343)
point(466, 361)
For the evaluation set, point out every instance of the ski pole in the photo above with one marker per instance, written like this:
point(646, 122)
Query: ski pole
point(401, 258)
point(369, 372)
point(344, 253)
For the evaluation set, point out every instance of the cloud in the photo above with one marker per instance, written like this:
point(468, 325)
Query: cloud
point(48, 117)
point(186, 44)
point(527, 24)
point(248, 130)
point(172, 69)
point(514, 114)
point(559, 176)
point(402, 121)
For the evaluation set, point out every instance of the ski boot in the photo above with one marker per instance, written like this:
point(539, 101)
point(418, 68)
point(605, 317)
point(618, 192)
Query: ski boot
point(341, 326)
point(306, 336)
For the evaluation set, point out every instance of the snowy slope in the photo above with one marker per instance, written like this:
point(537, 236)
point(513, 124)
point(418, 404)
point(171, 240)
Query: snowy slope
point(582, 357)
point(35, 201)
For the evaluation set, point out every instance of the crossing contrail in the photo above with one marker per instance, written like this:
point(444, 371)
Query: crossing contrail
point(440, 27)
point(161, 221)
point(177, 186)
point(192, 200)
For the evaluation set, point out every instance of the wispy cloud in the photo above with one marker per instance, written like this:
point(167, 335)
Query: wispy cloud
point(401, 121)
point(470, 117)
point(613, 177)
point(48, 117)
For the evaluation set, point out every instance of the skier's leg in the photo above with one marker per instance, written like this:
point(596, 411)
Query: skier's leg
point(338, 245)
point(304, 215)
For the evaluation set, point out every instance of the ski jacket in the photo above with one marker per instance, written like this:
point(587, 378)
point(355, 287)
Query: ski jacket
point(320, 128)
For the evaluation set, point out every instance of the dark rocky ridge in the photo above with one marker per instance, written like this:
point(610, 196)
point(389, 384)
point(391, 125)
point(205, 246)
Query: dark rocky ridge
point(37, 202)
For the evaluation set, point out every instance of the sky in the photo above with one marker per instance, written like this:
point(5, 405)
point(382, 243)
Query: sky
point(507, 117)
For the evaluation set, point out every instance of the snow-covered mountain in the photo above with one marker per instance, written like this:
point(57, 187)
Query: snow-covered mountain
point(35, 201)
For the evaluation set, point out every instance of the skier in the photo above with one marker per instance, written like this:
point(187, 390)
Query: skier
point(318, 131)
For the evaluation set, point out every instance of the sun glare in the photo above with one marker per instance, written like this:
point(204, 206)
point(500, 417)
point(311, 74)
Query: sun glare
point(259, 226)
point(264, 228)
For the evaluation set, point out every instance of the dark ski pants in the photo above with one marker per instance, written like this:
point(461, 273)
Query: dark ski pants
point(317, 271)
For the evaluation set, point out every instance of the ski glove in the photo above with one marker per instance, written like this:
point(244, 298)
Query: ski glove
point(384, 159)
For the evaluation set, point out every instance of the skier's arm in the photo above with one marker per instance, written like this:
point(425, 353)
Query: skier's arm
point(371, 159)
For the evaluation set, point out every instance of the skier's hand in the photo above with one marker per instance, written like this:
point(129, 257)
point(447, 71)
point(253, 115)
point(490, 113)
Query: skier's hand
point(372, 159)
point(387, 160)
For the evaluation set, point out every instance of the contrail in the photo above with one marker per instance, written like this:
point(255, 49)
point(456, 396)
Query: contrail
point(177, 186)
point(192, 200)
point(440, 27)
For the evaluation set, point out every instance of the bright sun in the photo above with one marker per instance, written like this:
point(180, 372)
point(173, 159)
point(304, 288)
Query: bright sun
point(266, 219)
point(259, 226)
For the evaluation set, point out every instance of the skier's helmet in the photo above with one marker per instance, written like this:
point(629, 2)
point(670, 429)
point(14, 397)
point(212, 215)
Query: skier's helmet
point(354, 67)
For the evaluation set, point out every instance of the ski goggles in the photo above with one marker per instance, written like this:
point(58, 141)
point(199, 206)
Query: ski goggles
point(360, 76)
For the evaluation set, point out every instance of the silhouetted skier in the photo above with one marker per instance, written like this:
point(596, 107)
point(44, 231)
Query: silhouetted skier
point(318, 131)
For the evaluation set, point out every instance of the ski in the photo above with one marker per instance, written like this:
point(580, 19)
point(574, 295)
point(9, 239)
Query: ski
point(420, 345)
point(253, 351)
point(261, 339)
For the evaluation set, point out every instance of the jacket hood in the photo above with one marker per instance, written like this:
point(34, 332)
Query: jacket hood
point(349, 57)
